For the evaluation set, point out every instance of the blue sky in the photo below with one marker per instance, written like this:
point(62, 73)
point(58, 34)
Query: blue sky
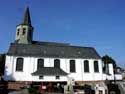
point(95, 23)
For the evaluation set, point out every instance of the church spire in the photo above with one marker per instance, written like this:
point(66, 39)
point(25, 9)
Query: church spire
point(26, 19)
point(24, 31)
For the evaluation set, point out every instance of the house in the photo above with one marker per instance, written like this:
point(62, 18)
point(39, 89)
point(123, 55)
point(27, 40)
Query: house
point(35, 61)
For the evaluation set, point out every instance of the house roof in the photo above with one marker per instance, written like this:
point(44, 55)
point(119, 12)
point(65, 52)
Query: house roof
point(55, 50)
point(50, 71)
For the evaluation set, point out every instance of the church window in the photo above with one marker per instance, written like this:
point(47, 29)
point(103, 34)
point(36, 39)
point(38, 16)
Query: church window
point(57, 77)
point(40, 63)
point(18, 29)
point(72, 66)
point(96, 66)
point(57, 63)
point(19, 64)
point(40, 77)
point(86, 66)
point(17, 33)
point(24, 31)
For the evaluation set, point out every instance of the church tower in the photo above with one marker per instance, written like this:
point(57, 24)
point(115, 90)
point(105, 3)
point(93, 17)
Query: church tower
point(24, 31)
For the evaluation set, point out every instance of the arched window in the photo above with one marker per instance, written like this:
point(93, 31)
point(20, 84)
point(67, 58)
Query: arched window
point(40, 63)
point(72, 66)
point(24, 31)
point(57, 63)
point(86, 66)
point(19, 64)
point(96, 66)
point(18, 32)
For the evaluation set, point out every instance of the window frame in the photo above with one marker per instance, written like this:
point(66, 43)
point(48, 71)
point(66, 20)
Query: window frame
point(96, 66)
point(72, 63)
point(41, 77)
point(57, 77)
point(24, 31)
point(86, 66)
point(19, 64)
point(56, 63)
point(38, 63)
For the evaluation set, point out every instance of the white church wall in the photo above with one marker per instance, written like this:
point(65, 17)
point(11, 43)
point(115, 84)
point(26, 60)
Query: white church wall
point(80, 75)
point(118, 76)
point(91, 75)
point(111, 75)
point(30, 66)
point(98, 75)
point(64, 64)
point(8, 72)
point(48, 62)
point(49, 78)
point(77, 76)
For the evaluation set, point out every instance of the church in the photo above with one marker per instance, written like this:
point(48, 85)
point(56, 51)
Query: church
point(39, 61)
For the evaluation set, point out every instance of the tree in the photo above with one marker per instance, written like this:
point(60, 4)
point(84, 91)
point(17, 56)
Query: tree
point(108, 59)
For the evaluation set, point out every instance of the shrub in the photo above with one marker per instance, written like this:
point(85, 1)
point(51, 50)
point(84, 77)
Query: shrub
point(33, 91)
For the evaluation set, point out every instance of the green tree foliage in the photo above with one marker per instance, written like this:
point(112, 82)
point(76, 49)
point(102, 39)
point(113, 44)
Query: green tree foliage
point(108, 59)
point(2, 62)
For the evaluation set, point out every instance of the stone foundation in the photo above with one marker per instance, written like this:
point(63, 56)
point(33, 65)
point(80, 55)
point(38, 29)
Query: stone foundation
point(17, 85)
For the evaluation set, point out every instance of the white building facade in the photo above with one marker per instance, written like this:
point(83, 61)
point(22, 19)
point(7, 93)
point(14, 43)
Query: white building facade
point(30, 65)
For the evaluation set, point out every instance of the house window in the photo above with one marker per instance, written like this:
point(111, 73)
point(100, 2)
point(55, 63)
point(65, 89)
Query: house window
point(41, 77)
point(19, 64)
point(57, 77)
point(86, 66)
point(96, 66)
point(40, 63)
point(72, 66)
point(57, 63)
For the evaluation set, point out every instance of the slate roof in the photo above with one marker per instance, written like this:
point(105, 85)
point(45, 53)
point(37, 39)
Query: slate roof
point(50, 71)
point(46, 49)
